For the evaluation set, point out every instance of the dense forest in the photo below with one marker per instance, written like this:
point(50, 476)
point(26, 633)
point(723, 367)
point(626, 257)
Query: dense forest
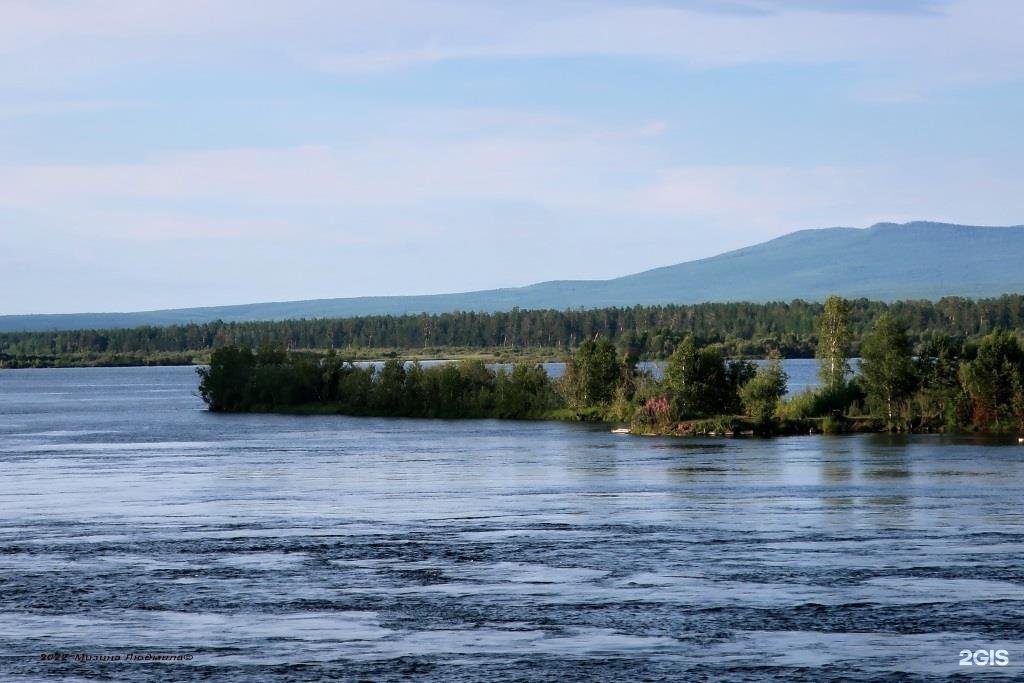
point(944, 383)
point(653, 332)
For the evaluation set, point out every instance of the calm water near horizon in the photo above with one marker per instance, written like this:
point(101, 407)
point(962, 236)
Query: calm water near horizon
point(272, 547)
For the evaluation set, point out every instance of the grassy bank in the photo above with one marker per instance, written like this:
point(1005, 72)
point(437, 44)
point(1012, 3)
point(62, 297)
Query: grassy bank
point(100, 360)
point(367, 354)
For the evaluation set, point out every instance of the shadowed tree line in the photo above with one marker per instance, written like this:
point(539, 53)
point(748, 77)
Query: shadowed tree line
point(650, 332)
point(271, 379)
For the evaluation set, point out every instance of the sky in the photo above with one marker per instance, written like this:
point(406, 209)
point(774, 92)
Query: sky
point(158, 154)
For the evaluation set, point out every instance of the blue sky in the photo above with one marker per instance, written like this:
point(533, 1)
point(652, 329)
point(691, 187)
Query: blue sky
point(168, 154)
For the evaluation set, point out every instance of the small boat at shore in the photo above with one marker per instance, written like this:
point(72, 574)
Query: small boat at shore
point(621, 430)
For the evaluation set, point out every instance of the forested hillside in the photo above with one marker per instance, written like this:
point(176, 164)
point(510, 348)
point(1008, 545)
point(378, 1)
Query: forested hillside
point(885, 262)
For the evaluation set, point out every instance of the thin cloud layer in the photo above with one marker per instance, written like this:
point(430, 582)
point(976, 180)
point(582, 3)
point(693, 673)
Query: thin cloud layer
point(927, 44)
point(400, 147)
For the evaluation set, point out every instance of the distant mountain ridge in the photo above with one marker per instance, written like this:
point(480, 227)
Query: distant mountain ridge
point(888, 261)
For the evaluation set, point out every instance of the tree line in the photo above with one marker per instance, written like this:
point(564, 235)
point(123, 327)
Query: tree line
point(274, 380)
point(945, 382)
point(942, 383)
point(653, 332)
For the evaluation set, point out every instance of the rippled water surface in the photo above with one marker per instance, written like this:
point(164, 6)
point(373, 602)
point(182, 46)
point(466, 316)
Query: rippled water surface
point(304, 548)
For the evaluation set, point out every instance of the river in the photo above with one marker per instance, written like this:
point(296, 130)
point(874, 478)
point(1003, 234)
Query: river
point(263, 547)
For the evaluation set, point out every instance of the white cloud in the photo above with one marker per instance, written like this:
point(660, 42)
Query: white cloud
point(967, 41)
point(895, 56)
point(535, 159)
point(448, 197)
point(388, 187)
point(291, 228)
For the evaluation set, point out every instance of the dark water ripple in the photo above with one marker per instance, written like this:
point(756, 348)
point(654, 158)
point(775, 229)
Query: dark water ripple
point(295, 549)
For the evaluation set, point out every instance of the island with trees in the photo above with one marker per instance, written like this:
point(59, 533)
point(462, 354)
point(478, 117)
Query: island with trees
point(940, 383)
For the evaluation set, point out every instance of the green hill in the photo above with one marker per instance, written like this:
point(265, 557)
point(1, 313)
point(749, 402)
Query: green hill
point(885, 262)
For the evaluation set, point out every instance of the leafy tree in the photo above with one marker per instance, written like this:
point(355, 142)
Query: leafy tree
point(592, 373)
point(390, 387)
point(761, 394)
point(738, 374)
point(994, 379)
point(225, 384)
point(700, 383)
point(963, 385)
point(524, 392)
point(355, 390)
point(834, 338)
point(681, 376)
point(414, 403)
point(478, 383)
point(937, 366)
point(271, 354)
point(887, 367)
point(449, 391)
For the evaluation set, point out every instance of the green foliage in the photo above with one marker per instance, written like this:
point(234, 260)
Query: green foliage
point(940, 400)
point(92, 359)
point(948, 385)
point(592, 374)
point(761, 395)
point(831, 425)
point(994, 380)
point(799, 406)
point(226, 384)
point(390, 386)
point(821, 402)
point(525, 391)
point(740, 329)
point(887, 369)
point(621, 408)
point(700, 382)
point(354, 391)
point(719, 425)
point(834, 337)
point(653, 416)
point(238, 380)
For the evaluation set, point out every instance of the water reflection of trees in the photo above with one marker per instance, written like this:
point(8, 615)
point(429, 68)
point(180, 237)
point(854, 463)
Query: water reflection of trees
point(868, 475)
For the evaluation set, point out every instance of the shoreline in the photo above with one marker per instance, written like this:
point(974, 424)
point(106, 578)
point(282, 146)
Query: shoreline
point(714, 427)
point(200, 358)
